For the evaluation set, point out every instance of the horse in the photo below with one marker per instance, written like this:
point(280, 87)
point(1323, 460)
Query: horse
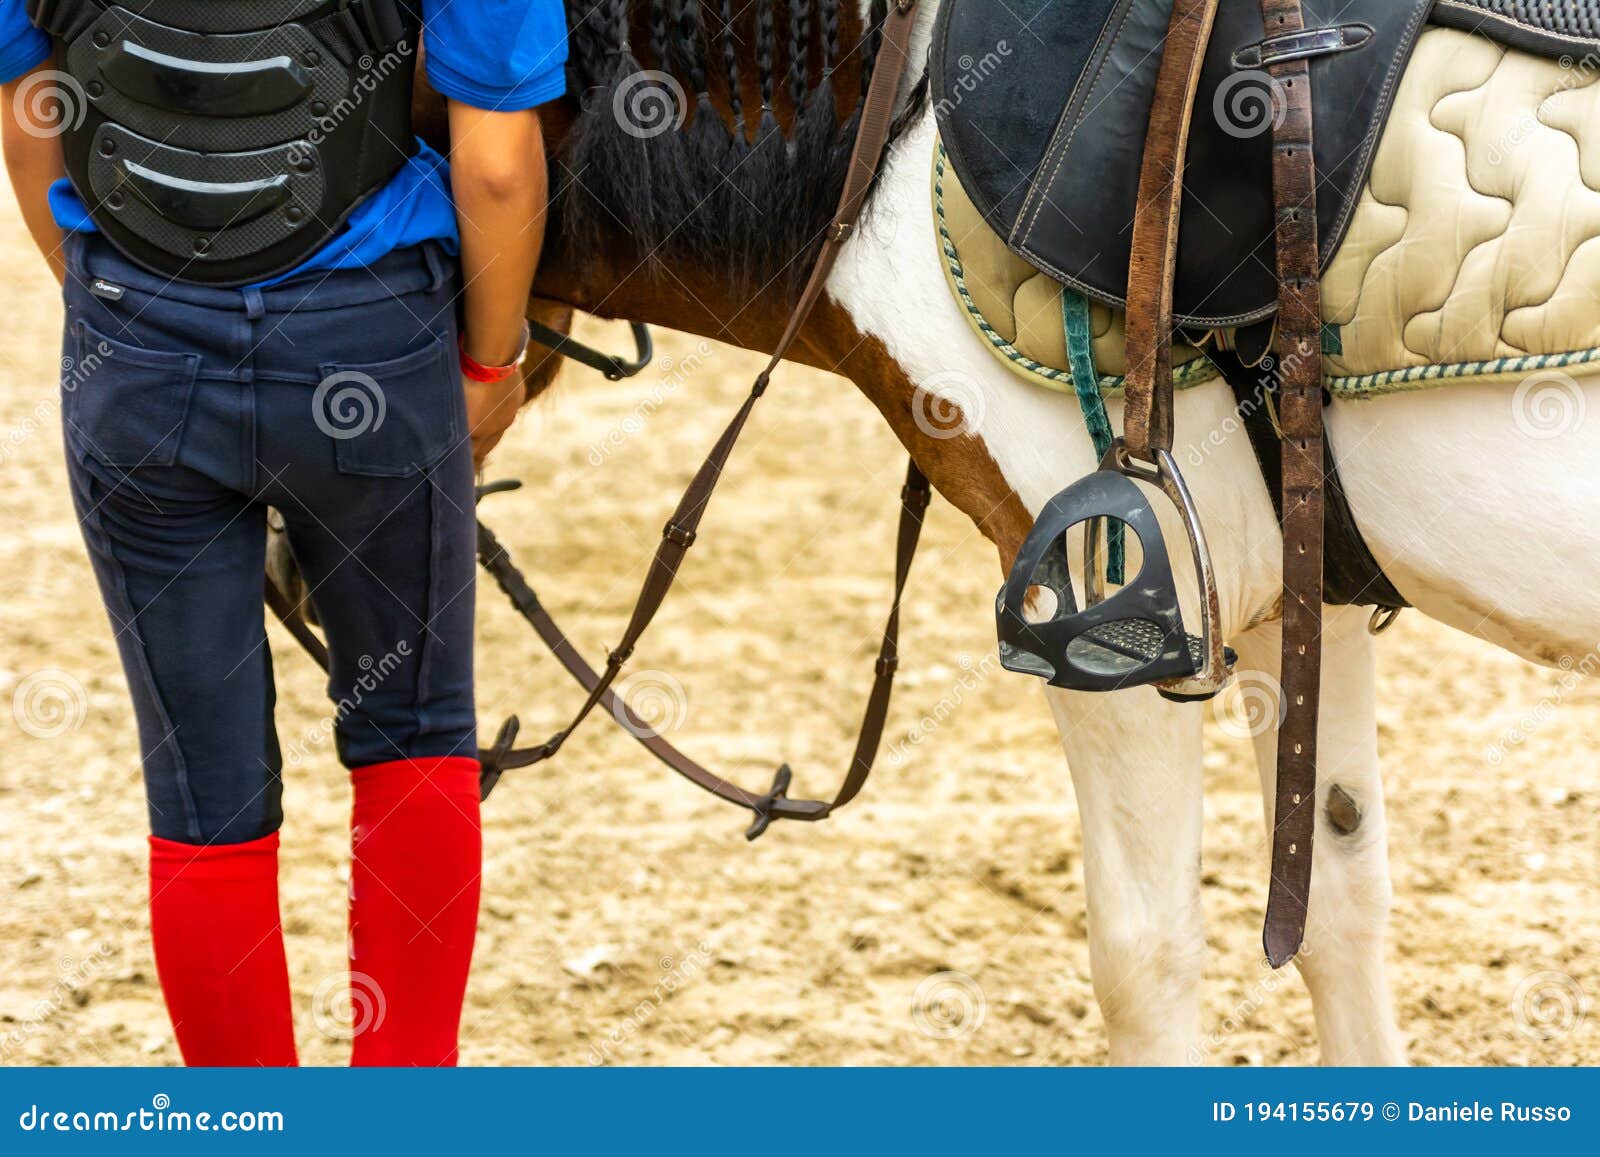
point(695, 166)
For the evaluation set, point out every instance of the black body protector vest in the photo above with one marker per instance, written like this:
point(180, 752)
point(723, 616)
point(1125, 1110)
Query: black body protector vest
point(223, 141)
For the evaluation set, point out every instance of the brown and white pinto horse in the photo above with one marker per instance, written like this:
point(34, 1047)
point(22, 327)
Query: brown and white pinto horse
point(707, 226)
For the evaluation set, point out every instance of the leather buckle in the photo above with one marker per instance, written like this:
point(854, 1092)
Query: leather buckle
point(887, 666)
point(492, 766)
point(679, 535)
point(776, 805)
point(1304, 45)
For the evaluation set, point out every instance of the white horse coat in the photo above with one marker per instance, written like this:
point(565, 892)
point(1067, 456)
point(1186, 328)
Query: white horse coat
point(1478, 238)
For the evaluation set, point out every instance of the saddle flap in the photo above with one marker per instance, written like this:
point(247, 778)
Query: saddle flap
point(1057, 173)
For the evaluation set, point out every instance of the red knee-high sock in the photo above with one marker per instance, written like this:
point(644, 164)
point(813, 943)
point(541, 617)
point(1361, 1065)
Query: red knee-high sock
point(219, 951)
point(413, 907)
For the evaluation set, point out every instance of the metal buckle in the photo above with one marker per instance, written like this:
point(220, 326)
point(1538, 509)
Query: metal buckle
point(1131, 637)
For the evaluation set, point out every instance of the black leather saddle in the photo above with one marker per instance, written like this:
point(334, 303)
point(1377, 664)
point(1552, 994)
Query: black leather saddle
point(1043, 106)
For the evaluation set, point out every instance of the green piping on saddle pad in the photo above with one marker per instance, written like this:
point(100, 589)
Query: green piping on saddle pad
point(1414, 378)
point(1191, 373)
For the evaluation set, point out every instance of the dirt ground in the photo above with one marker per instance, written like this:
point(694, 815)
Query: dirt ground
point(625, 920)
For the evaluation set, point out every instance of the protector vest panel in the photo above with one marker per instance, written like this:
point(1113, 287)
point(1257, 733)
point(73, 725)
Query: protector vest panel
point(224, 141)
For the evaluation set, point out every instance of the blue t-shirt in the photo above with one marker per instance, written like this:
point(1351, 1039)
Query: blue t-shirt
point(501, 55)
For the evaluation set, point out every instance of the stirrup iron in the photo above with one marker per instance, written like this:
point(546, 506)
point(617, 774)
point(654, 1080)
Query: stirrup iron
point(1132, 637)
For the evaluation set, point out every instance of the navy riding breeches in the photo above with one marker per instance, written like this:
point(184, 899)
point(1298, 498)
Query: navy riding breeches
point(334, 398)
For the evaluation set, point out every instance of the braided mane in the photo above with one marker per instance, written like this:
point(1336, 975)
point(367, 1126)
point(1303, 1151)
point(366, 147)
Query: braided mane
point(712, 133)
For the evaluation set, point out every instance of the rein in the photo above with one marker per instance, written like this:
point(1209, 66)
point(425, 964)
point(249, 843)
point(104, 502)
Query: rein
point(876, 125)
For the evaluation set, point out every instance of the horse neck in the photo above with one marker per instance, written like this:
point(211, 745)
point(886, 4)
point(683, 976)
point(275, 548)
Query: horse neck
point(742, 86)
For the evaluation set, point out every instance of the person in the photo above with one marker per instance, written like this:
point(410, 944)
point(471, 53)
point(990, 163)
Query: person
point(277, 297)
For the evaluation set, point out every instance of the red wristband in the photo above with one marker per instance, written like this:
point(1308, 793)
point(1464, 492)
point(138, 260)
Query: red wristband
point(479, 372)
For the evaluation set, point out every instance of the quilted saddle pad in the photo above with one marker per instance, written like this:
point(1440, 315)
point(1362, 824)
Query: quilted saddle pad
point(1473, 253)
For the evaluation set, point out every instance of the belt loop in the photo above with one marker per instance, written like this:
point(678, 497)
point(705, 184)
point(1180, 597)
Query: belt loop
point(254, 307)
point(439, 270)
point(76, 255)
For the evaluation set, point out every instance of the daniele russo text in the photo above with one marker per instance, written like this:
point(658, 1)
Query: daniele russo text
point(1482, 1111)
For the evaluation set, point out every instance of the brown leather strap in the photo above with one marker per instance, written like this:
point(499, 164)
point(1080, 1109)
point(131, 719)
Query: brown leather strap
point(1149, 399)
point(775, 804)
point(1299, 351)
point(289, 615)
point(1147, 417)
point(876, 124)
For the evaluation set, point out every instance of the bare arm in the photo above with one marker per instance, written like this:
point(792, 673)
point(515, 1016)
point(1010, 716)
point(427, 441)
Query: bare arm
point(501, 187)
point(33, 159)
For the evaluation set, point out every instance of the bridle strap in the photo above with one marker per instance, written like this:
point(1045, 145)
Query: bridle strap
point(1299, 351)
point(766, 807)
point(289, 615)
point(614, 369)
point(872, 137)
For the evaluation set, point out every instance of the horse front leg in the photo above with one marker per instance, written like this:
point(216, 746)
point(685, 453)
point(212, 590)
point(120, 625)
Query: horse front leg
point(1136, 769)
point(1343, 957)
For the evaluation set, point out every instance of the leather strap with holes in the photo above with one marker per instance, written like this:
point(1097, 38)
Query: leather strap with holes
point(1299, 354)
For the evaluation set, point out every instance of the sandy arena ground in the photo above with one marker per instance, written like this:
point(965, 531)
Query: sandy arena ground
point(625, 920)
